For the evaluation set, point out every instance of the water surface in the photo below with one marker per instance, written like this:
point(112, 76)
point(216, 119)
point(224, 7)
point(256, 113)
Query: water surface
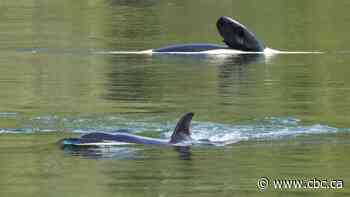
point(282, 116)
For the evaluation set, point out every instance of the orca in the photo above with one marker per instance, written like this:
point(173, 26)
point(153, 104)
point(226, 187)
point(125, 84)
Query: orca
point(235, 35)
point(238, 39)
point(180, 137)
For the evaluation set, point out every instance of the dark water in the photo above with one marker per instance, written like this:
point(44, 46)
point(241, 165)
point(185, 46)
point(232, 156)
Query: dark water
point(282, 116)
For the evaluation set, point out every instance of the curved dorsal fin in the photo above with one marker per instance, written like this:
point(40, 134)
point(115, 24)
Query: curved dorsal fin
point(182, 130)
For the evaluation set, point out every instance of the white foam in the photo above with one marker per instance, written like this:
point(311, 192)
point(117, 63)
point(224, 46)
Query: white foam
point(202, 132)
point(8, 114)
point(267, 51)
point(269, 128)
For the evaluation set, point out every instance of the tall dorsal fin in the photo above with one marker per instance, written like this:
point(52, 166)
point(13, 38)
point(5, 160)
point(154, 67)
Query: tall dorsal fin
point(182, 129)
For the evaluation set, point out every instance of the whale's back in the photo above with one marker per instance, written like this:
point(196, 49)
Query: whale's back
point(195, 47)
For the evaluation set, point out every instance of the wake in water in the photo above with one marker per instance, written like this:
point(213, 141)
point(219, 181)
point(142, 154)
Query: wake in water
point(266, 129)
point(203, 133)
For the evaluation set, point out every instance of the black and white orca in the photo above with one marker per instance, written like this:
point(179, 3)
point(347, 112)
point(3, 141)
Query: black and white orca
point(180, 137)
point(238, 39)
point(235, 35)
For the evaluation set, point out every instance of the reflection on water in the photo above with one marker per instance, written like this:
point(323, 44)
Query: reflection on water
point(114, 152)
point(140, 81)
point(161, 171)
point(129, 82)
point(123, 152)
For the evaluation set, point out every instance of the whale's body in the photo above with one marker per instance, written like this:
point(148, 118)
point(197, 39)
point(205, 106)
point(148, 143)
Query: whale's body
point(237, 38)
point(195, 47)
point(181, 136)
point(117, 138)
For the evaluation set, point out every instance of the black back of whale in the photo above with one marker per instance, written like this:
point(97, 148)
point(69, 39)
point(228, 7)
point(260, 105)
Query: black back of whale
point(97, 137)
point(236, 36)
point(181, 133)
point(196, 47)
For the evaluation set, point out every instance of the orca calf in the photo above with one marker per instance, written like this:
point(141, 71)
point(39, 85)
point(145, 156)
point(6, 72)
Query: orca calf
point(236, 36)
point(180, 137)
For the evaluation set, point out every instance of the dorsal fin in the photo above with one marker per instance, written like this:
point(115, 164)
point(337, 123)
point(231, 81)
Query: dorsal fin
point(182, 129)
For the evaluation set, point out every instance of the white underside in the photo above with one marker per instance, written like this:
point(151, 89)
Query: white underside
point(267, 51)
point(103, 144)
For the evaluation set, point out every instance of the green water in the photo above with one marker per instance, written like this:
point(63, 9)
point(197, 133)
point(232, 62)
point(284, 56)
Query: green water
point(287, 116)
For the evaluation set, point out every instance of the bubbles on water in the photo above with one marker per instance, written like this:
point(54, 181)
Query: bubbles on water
point(202, 132)
point(267, 128)
point(281, 120)
point(7, 114)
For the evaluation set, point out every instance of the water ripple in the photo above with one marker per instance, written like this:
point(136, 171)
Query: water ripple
point(202, 132)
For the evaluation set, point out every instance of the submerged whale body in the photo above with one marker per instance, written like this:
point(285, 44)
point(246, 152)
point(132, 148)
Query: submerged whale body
point(180, 135)
point(235, 35)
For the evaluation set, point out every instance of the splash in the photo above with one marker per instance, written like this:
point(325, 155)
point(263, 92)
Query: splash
point(268, 128)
